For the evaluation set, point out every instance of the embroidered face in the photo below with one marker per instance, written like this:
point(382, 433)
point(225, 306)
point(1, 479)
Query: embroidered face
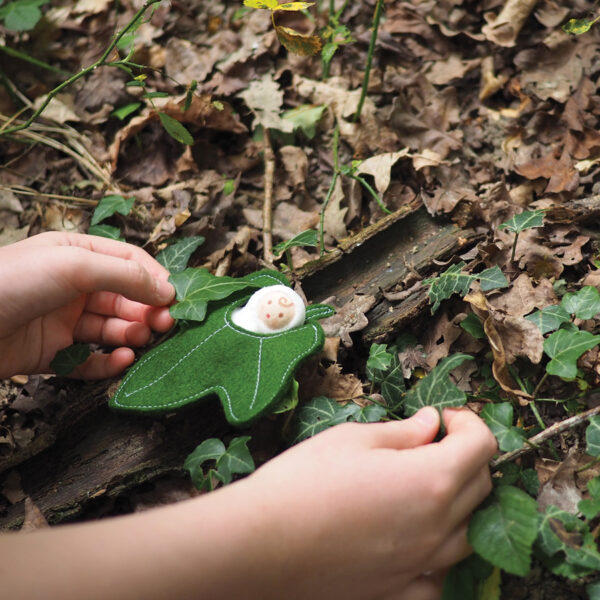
point(276, 310)
point(271, 310)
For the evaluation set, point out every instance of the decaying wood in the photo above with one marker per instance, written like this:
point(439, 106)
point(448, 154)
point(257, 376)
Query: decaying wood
point(86, 454)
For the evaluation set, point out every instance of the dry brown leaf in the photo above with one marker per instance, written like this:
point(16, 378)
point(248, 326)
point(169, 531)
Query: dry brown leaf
point(295, 163)
point(559, 487)
point(380, 167)
point(34, 519)
point(522, 297)
point(504, 29)
point(439, 339)
point(349, 318)
point(560, 170)
point(334, 224)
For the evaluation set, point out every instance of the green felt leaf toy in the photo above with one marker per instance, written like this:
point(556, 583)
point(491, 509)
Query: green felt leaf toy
point(250, 372)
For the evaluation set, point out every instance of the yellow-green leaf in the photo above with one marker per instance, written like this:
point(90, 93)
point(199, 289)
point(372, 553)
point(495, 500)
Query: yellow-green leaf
point(294, 6)
point(269, 4)
point(298, 43)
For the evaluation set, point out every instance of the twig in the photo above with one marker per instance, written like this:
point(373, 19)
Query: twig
point(541, 437)
point(268, 199)
point(365, 85)
point(23, 191)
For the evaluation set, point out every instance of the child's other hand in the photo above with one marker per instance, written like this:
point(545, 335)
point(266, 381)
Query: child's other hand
point(364, 511)
point(59, 288)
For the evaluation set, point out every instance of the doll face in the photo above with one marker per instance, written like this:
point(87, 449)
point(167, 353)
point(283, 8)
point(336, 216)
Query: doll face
point(276, 310)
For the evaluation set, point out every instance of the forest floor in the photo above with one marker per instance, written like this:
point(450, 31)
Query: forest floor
point(467, 122)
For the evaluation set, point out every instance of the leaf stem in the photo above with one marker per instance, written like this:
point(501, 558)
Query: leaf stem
point(514, 248)
point(336, 174)
point(33, 61)
point(373, 193)
point(365, 85)
point(539, 385)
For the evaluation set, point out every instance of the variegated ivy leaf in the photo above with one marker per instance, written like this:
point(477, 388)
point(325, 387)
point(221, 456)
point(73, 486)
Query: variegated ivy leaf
point(549, 318)
point(306, 238)
point(451, 281)
point(175, 257)
point(499, 418)
point(528, 219)
point(564, 348)
point(492, 279)
point(592, 437)
point(436, 389)
point(319, 414)
point(584, 304)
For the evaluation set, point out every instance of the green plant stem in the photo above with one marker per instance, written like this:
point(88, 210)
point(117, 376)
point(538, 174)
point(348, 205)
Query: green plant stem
point(288, 259)
point(33, 61)
point(536, 414)
point(540, 383)
point(373, 193)
point(588, 465)
point(363, 94)
point(100, 62)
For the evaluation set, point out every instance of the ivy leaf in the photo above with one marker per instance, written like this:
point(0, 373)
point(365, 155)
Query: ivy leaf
point(68, 359)
point(306, 118)
point(298, 43)
point(393, 386)
point(549, 318)
point(109, 205)
point(196, 287)
point(503, 533)
point(237, 460)
point(436, 389)
point(584, 304)
point(528, 219)
point(593, 590)
point(451, 281)
point(22, 15)
point(564, 348)
point(175, 129)
point(471, 324)
point(319, 414)
point(592, 437)
point(209, 449)
point(499, 418)
point(107, 231)
point(306, 238)
point(175, 257)
point(369, 414)
point(492, 279)
point(590, 507)
point(379, 358)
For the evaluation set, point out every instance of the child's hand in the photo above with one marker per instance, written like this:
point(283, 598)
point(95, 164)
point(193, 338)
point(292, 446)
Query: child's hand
point(59, 288)
point(364, 511)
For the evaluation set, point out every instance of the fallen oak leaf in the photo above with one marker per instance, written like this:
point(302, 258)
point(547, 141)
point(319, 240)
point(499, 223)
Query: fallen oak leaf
point(349, 318)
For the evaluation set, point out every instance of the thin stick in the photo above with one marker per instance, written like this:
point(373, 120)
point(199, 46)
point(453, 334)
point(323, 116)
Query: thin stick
point(31, 192)
point(268, 199)
point(365, 85)
point(541, 437)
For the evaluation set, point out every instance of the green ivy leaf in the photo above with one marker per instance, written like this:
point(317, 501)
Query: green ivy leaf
point(590, 507)
point(196, 287)
point(549, 318)
point(564, 348)
point(175, 257)
point(175, 129)
point(319, 414)
point(499, 418)
point(531, 482)
point(392, 385)
point(503, 533)
point(584, 304)
point(492, 279)
point(107, 231)
point(124, 111)
point(109, 205)
point(379, 359)
point(593, 590)
point(305, 118)
point(464, 578)
point(22, 15)
point(592, 437)
point(471, 324)
point(436, 389)
point(306, 238)
point(236, 461)
point(451, 281)
point(528, 219)
point(372, 413)
point(68, 359)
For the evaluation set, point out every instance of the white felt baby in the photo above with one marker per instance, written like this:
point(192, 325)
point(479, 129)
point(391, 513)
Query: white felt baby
point(271, 310)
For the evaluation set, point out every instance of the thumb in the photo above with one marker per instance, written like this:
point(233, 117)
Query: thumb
point(419, 430)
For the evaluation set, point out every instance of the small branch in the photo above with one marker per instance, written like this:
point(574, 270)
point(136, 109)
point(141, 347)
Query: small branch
point(268, 199)
point(545, 435)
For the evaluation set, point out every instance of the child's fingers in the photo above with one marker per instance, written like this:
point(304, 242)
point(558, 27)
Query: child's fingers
point(470, 496)
point(420, 429)
point(111, 331)
point(425, 587)
point(453, 549)
point(105, 366)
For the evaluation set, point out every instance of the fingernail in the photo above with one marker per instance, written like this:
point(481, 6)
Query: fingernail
point(428, 416)
point(165, 290)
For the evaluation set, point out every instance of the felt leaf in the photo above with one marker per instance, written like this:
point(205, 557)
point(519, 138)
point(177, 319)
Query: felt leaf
point(436, 389)
point(471, 324)
point(584, 304)
point(269, 4)
point(503, 533)
point(318, 311)
point(250, 373)
point(319, 414)
point(175, 129)
point(68, 359)
point(110, 205)
point(379, 358)
point(549, 318)
point(451, 281)
point(298, 43)
point(499, 418)
point(592, 437)
point(564, 348)
point(306, 238)
point(305, 118)
point(196, 287)
point(528, 219)
point(492, 279)
point(175, 257)
point(294, 6)
point(107, 231)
